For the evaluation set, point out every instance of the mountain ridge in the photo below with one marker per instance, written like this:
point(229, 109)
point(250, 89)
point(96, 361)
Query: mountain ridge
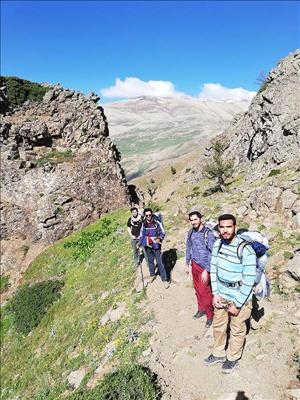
point(150, 130)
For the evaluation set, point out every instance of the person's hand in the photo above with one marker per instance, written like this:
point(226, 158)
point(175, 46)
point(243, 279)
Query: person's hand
point(187, 269)
point(217, 301)
point(204, 276)
point(158, 240)
point(233, 310)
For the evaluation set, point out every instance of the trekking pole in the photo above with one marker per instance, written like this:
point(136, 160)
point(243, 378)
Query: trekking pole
point(140, 265)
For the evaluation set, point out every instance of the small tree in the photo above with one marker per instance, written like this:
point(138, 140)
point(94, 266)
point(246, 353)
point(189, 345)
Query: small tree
point(262, 80)
point(151, 188)
point(218, 169)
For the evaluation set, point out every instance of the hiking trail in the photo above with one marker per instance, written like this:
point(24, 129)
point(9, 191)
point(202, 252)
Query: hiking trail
point(179, 344)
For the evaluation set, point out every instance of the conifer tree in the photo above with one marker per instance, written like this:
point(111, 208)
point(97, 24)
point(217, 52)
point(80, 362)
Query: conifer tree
point(218, 169)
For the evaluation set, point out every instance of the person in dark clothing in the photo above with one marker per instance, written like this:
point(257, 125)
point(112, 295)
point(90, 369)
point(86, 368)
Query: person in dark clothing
point(134, 225)
point(151, 237)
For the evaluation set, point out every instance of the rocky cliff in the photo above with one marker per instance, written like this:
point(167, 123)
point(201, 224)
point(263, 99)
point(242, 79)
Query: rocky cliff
point(267, 135)
point(60, 171)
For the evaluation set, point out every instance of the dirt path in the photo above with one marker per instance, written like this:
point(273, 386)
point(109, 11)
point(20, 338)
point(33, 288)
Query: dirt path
point(179, 344)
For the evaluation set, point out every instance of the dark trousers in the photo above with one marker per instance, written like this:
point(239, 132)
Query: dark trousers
point(202, 291)
point(155, 254)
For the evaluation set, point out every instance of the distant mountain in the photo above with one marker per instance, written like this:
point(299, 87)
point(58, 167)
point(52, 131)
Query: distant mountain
point(149, 130)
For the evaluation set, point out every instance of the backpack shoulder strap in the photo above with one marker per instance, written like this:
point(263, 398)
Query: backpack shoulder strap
point(206, 233)
point(220, 245)
point(240, 249)
point(189, 234)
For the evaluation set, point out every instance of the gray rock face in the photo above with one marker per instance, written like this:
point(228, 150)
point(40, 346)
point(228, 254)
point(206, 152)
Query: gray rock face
point(272, 199)
point(60, 170)
point(267, 136)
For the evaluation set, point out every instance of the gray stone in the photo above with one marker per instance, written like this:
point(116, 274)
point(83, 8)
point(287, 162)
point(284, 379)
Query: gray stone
point(113, 314)
point(109, 350)
point(242, 210)
point(293, 267)
point(75, 377)
point(287, 282)
point(266, 199)
point(296, 220)
point(288, 198)
point(294, 394)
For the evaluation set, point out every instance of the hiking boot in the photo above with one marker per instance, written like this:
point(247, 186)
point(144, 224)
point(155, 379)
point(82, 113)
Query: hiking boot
point(228, 366)
point(167, 284)
point(199, 314)
point(208, 323)
point(212, 360)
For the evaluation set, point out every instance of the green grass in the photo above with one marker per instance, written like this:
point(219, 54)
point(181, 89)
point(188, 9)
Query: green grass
point(55, 157)
point(69, 336)
point(288, 255)
point(263, 87)
point(275, 172)
point(281, 243)
point(131, 382)
point(4, 283)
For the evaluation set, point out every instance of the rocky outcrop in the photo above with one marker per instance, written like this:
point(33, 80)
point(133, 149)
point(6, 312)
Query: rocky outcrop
point(60, 172)
point(267, 135)
point(283, 199)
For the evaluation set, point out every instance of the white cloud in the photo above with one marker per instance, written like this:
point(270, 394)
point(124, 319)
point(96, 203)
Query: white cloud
point(135, 87)
point(217, 92)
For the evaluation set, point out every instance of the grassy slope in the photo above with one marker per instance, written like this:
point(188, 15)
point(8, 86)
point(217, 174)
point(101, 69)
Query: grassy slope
point(70, 336)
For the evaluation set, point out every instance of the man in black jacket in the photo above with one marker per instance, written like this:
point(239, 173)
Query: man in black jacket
point(134, 225)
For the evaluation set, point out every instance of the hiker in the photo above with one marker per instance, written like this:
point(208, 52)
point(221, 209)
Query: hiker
point(134, 225)
point(151, 237)
point(232, 280)
point(199, 245)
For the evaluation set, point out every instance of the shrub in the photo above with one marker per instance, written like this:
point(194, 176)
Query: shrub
point(131, 382)
point(263, 87)
point(188, 170)
point(4, 283)
point(153, 205)
point(262, 227)
point(151, 188)
point(84, 244)
point(288, 255)
point(173, 170)
point(20, 90)
point(274, 172)
point(31, 303)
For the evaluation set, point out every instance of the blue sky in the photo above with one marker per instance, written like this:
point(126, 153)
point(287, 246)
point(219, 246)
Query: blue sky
point(87, 45)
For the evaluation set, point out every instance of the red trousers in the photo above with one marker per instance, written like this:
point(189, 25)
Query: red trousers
point(202, 291)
